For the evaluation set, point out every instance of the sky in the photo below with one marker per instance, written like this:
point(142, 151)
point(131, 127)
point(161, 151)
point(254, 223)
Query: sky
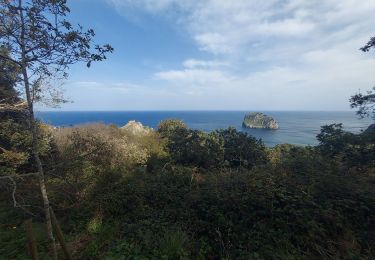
point(224, 54)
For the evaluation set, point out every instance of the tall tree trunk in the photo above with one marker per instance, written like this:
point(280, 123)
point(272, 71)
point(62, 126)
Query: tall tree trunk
point(42, 184)
point(34, 135)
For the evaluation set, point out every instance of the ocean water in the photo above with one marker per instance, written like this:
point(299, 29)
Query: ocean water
point(296, 127)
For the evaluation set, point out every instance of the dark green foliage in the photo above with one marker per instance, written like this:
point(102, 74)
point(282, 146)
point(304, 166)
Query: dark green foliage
point(8, 80)
point(192, 147)
point(349, 149)
point(168, 127)
point(237, 215)
point(217, 149)
point(369, 45)
point(365, 103)
point(14, 137)
point(219, 195)
point(296, 160)
point(333, 139)
point(240, 149)
point(15, 142)
point(195, 148)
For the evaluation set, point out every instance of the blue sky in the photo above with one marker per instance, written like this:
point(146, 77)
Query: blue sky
point(224, 55)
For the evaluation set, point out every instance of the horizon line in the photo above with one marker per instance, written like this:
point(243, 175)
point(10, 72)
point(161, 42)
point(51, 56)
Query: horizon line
point(198, 110)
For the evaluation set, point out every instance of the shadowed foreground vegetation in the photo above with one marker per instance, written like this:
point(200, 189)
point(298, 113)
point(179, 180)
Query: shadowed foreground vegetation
point(177, 193)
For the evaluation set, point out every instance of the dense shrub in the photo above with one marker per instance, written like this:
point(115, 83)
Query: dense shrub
point(240, 214)
point(296, 160)
point(182, 193)
point(195, 148)
point(217, 149)
point(350, 150)
point(167, 128)
point(84, 154)
point(240, 149)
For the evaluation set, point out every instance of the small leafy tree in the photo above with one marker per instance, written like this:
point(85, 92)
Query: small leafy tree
point(14, 137)
point(242, 150)
point(369, 45)
point(365, 102)
point(42, 44)
point(192, 147)
point(332, 139)
point(352, 150)
point(9, 75)
point(168, 127)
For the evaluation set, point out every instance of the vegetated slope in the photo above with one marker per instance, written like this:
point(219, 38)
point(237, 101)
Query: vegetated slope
point(182, 193)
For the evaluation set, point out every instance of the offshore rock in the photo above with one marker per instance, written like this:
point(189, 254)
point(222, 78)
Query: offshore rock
point(259, 121)
point(136, 128)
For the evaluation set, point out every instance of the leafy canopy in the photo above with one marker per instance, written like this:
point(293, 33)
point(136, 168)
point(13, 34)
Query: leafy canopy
point(40, 40)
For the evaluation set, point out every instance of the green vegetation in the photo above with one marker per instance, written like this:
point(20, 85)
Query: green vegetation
point(38, 44)
point(181, 193)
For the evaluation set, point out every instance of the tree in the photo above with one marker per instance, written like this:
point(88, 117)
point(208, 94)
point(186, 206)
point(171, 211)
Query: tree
point(369, 45)
point(352, 150)
point(13, 132)
point(168, 127)
point(191, 147)
point(241, 149)
point(332, 139)
point(9, 75)
point(42, 44)
point(365, 102)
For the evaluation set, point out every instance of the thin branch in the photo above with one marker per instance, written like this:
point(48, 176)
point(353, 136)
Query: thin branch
point(15, 204)
point(13, 191)
point(19, 175)
point(10, 59)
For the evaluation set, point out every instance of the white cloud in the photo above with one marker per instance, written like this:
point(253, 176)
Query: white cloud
point(194, 63)
point(194, 77)
point(149, 5)
point(123, 87)
point(86, 83)
point(295, 53)
point(222, 26)
point(213, 42)
point(286, 27)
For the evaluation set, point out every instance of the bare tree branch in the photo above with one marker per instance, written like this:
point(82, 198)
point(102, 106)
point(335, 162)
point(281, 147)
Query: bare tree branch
point(15, 203)
point(10, 59)
point(19, 175)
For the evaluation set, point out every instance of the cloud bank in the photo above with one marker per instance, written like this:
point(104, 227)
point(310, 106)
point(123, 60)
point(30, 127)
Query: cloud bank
point(276, 54)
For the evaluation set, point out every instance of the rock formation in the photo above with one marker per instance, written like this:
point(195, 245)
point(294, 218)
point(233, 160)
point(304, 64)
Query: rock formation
point(259, 120)
point(136, 128)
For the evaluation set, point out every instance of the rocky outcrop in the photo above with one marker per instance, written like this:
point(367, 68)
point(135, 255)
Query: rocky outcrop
point(260, 121)
point(136, 128)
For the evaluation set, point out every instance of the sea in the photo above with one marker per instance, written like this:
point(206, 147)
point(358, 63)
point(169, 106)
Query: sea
point(296, 127)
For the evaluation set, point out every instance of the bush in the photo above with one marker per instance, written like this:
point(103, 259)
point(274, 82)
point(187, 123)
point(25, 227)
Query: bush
point(209, 150)
point(84, 154)
point(192, 147)
point(182, 193)
point(167, 128)
point(238, 214)
point(347, 149)
point(242, 150)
